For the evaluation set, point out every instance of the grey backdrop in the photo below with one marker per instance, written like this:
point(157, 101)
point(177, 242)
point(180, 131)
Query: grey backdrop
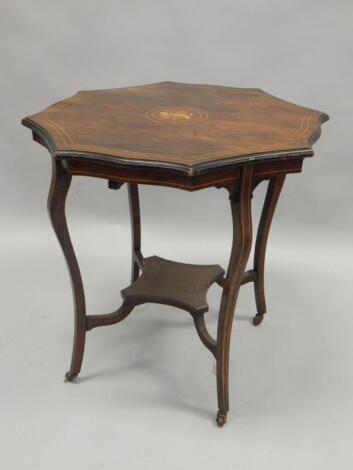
point(147, 395)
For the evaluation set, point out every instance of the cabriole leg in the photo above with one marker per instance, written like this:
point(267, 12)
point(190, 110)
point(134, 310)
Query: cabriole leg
point(273, 192)
point(242, 237)
point(59, 188)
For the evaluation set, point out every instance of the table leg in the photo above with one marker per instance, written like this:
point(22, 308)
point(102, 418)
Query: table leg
point(242, 238)
point(134, 203)
point(59, 188)
point(273, 192)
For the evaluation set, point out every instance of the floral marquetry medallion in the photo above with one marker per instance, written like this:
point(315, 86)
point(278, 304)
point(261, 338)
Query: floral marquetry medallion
point(177, 115)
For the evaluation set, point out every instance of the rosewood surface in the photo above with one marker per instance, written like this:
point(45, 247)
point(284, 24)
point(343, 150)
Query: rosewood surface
point(185, 127)
point(188, 137)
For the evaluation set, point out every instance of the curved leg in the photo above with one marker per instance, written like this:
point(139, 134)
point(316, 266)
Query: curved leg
point(135, 230)
point(273, 191)
point(56, 206)
point(242, 237)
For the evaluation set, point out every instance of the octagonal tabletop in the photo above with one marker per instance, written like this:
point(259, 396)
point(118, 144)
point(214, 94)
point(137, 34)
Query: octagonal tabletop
point(184, 127)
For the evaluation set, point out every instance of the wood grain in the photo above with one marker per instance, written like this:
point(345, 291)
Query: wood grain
point(185, 127)
point(189, 137)
point(167, 282)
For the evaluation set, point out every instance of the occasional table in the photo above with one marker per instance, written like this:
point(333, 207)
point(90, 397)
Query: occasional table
point(183, 136)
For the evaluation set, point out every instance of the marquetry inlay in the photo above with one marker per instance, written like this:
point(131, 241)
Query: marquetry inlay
point(176, 115)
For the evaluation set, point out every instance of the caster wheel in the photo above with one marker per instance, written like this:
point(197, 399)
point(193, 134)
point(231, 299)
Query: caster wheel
point(221, 419)
point(257, 319)
point(69, 376)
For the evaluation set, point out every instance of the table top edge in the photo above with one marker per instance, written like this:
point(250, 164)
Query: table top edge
point(42, 136)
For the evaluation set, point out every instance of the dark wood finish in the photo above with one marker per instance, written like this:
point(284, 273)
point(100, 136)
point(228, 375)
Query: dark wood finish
point(59, 188)
point(188, 137)
point(92, 321)
point(219, 178)
point(275, 185)
point(249, 276)
point(186, 127)
point(240, 202)
point(205, 337)
point(114, 184)
point(167, 282)
point(137, 259)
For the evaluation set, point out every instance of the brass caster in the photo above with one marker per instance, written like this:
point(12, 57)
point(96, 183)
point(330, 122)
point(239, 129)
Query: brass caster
point(257, 319)
point(69, 376)
point(221, 419)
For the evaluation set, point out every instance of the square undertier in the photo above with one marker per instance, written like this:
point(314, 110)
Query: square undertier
point(171, 283)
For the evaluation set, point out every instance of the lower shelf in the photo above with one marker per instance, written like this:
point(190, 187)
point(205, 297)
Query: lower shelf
point(178, 284)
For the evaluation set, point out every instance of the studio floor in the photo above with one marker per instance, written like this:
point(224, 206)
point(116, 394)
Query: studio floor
point(146, 397)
